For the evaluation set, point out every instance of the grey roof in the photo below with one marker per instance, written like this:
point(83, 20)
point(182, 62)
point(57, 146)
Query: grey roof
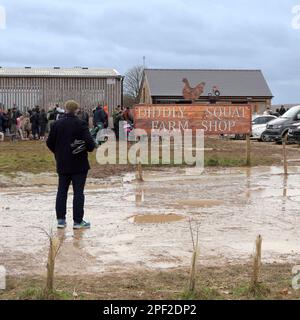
point(236, 83)
point(58, 72)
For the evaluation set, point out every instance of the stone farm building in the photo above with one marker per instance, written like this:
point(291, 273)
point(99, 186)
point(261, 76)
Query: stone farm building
point(28, 87)
point(165, 86)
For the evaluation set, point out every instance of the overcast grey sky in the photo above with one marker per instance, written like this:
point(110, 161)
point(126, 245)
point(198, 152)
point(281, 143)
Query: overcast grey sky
point(247, 34)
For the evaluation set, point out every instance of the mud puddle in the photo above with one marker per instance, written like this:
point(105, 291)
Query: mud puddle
point(145, 225)
point(199, 203)
point(157, 218)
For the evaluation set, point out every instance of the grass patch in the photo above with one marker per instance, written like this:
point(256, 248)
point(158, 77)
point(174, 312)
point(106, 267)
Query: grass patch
point(205, 293)
point(39, 294)
point(224, 162)
point(230, 282)
point(245, 291)
point(31, 294)
point(27, 156)
point(34, 156)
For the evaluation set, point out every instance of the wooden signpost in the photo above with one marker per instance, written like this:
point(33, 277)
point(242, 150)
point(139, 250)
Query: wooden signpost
point(213, 119)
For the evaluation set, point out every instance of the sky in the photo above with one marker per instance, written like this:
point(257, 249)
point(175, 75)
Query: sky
point(198, 34)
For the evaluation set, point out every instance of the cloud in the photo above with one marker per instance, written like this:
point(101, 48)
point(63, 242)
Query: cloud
point(170, 33)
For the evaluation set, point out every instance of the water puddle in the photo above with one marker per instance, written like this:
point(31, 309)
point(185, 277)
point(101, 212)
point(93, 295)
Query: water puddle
point(159, 218)
point(199, 203)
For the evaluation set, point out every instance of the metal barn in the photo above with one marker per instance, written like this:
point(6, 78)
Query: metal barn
point(46, 87)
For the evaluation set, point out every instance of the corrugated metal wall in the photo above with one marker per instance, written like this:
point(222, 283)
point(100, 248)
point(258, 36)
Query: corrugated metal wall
point(27, 92)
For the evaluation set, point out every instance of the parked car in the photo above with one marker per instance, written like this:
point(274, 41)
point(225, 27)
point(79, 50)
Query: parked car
point(278, 128)
point(294, 133)
point(259, 123)
point(259, 126)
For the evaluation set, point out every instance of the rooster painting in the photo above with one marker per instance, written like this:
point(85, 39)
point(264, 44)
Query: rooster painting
point(192, 93)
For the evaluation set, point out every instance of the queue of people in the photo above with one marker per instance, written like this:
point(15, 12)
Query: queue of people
point(278, 113)
point(29, 125)
point(35, 124)
point(122, 118)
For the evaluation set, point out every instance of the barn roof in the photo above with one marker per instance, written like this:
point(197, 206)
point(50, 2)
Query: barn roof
point(236, 83)
point(58, 72)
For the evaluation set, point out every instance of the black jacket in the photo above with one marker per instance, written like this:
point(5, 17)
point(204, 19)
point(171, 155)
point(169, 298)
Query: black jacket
point(62, 134)
point(99, 116)
point(2, 120)
point(14, 117)
point(35, 119)
point(84, 116)
point(43, 119)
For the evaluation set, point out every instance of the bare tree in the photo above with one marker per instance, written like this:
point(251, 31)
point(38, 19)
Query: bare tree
point(132, 83)
point(128, 101)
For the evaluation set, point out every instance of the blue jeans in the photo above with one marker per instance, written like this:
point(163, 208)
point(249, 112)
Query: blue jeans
point(78, 182)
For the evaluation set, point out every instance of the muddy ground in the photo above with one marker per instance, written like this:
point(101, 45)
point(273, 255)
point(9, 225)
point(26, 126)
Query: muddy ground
point(140, 243)
point(146, 224)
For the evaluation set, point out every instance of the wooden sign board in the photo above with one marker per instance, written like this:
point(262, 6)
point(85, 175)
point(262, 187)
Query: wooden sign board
point(213, 119)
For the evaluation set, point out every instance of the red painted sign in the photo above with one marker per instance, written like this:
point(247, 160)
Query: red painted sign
point(213, 119)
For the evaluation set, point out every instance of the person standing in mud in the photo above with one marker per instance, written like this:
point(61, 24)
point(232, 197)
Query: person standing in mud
point(70, 141)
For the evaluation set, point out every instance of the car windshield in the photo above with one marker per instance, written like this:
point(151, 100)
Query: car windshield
point(291, 113)
point(262, 120)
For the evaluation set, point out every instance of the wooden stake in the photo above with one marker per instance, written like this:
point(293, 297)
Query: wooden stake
point(193, 271)
point(139, 171)
point(285, 164)
point(285, 179)
point(248, 150)
point(54, 247)
point(257, 262)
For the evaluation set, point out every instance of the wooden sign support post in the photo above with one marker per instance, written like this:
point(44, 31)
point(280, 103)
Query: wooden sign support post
point(248, 150)
point(285, 164)
point(139, 170)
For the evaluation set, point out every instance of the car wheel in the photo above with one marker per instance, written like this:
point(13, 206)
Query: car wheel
point(263, 138)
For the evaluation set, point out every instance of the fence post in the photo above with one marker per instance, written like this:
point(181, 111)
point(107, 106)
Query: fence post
point(285, 165)
point(139, 170)
point(248, 150)
point(257, 263)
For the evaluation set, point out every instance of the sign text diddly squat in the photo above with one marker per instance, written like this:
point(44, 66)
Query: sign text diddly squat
point(211, 119)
